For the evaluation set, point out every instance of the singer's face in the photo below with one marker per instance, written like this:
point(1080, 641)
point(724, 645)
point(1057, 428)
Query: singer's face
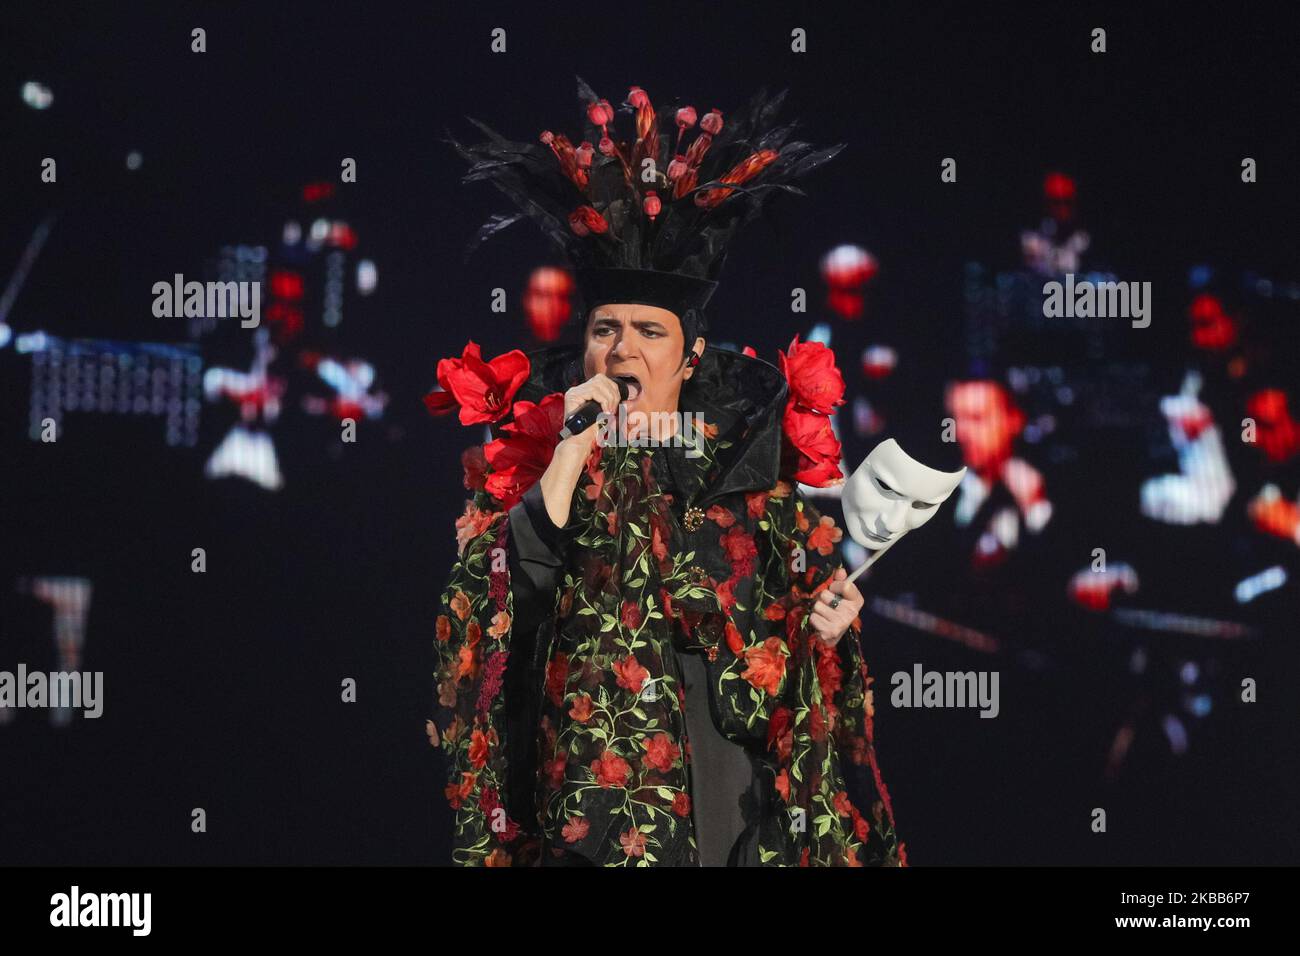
point(643, 345)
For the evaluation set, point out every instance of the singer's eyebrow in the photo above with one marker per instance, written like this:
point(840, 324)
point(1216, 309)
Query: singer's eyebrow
point(609, 320)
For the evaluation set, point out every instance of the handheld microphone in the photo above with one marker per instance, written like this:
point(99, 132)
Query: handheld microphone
point(587, 413)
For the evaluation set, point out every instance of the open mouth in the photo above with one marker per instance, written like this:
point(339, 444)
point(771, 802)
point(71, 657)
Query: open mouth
point(632, 382)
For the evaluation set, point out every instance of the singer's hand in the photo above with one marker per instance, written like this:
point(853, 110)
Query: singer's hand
point(831, 623)
point(599, 388)
point(561, 475)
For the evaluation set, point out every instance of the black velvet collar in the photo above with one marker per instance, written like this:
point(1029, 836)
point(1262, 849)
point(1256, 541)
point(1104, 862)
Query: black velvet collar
point(745, 397)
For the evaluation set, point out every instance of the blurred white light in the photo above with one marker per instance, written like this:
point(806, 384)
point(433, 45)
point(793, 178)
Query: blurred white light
point(37, 95)
point(292, 233)
point(821, 332)
point(1176, 733)
point(319, 230)
point(5, 335)
point(367, 277)
point(32, 342)
point(133, 160)
point(1257, 584)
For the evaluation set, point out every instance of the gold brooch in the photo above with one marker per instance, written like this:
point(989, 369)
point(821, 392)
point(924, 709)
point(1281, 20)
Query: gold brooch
point(693, 519)
point(713, 653)
point(696, 574)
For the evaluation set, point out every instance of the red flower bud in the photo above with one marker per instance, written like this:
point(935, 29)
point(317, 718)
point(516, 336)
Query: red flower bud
point(585, 220)
point(547, 137)
point(677, 167)
point(600, 112)
point(583, 155)
point(712, 122)
point(606, 146)
point(652, 204)
point(637, 97)
point(686, 117)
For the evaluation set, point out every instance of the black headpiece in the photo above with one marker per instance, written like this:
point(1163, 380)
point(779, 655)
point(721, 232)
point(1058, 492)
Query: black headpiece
point(646, 221)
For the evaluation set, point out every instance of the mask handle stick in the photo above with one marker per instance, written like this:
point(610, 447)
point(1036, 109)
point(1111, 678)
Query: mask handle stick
point(869, 562)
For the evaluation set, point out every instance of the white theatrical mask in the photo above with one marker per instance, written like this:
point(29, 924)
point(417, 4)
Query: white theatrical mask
point(891, 493)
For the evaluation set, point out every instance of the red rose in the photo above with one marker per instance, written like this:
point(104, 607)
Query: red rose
point(611, 770)
point(631, 675)
point(631, 615)
point(554, 770)
point(829, 673)
point(659, 540)
point(480, 745)
point(793, 624)
point(815, 383)
point(817, 724)
point(557, 677)
point(682, 804)
point(726, 596)
point(525, 448)
point(667, 600)
point(472, 524)
point(812, 452)
point(721, 515)
point(581, 710)
point(766, 665)
point(740, 551)
point(661, 752)
point(780, 732)
point(483, 390)
point(457, 793)
point(861, 828)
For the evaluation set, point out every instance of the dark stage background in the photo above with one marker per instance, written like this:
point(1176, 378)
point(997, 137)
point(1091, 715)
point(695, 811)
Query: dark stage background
point(223, 688)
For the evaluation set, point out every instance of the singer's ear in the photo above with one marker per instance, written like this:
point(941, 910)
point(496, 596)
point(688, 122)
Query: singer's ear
point(692, 358)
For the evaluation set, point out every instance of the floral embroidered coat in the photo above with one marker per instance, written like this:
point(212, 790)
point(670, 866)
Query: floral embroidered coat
point(560, 703)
